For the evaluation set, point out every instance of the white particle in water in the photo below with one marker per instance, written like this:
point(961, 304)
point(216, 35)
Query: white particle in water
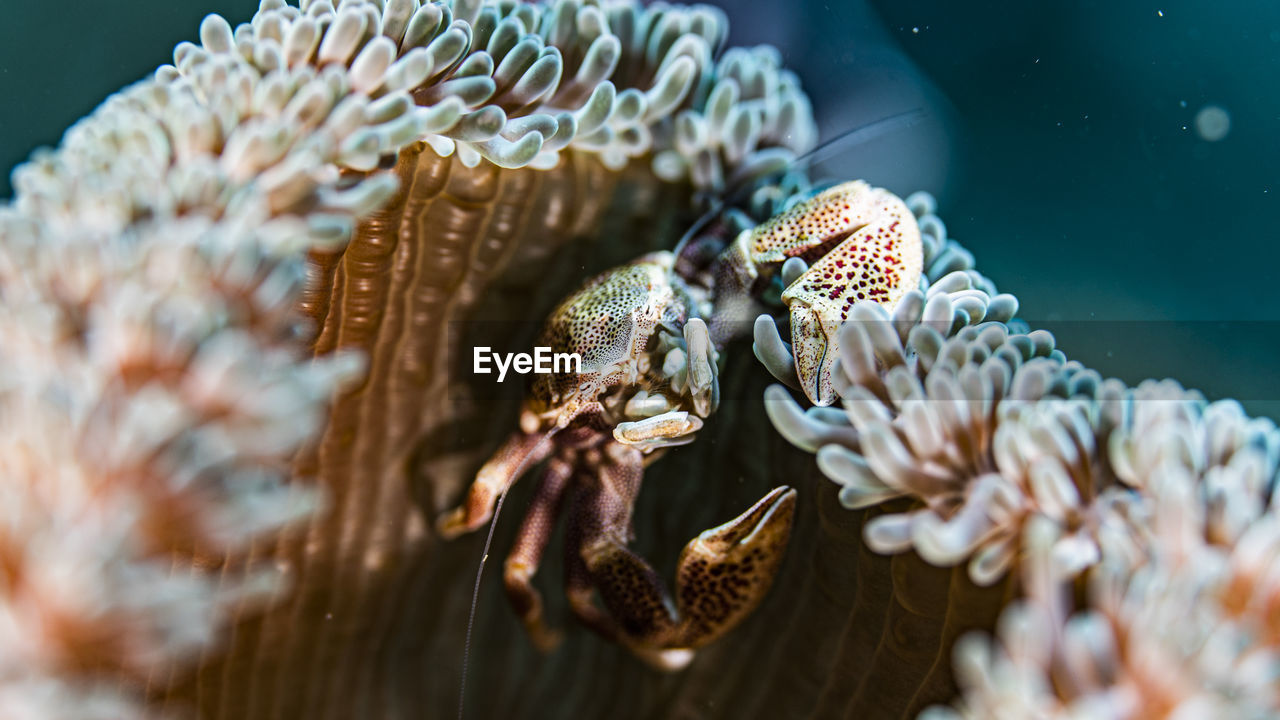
point(1212, 123)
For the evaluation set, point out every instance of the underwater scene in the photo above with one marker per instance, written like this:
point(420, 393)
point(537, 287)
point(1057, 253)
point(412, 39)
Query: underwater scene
point(605, 358)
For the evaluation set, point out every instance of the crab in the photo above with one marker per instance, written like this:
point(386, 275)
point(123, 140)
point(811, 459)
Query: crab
point(650, 335)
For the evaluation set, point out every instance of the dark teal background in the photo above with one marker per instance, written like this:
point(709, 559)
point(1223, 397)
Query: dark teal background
point(1060, 142)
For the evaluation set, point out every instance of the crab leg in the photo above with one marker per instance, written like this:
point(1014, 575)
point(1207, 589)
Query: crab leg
point(600, 504)
point(519, 452)
point(531, 543)
point(722, 575)
point(580, 592)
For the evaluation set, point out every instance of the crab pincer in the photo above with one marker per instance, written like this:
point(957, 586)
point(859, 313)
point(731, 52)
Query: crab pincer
point(721, 577)
point(857, 243)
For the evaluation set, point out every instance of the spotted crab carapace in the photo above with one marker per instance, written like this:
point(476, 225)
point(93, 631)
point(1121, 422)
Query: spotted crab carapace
point(650, 335)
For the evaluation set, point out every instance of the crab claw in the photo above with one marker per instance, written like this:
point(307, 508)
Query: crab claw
point(725, 572)
point(812, 343)
point(847, 244)
point(722, 576)
point(879, 259)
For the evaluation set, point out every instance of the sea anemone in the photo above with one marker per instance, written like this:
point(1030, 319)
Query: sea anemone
point(1154, 501)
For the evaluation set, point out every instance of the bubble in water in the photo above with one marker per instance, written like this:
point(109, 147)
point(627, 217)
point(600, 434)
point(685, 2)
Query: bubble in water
point(1212, 123)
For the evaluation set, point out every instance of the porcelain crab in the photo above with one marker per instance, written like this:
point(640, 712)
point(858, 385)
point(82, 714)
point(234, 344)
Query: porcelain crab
point(650, 339)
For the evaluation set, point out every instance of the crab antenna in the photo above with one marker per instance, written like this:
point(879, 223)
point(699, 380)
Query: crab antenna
point(484, 557)
point(717, 206)
point(861, 134)
point(848, 140)
point(829, 148)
